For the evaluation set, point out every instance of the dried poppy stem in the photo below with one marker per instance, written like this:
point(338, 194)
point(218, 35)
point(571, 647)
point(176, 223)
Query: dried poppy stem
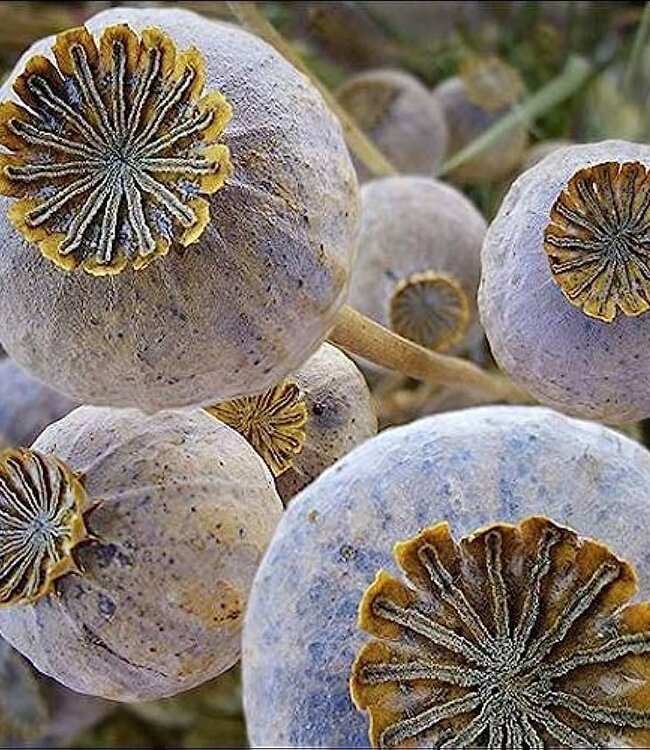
point(362, 336)
point(353, 331)
point(249, 16)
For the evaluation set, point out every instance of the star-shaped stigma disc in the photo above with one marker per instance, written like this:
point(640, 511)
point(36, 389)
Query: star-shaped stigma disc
point(41, 522)
point(598, 240)
point(110, 148)
point(517, 637)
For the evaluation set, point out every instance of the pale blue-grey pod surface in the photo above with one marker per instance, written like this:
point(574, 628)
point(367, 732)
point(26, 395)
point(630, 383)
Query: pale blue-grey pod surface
point(245, 305)
point(410, 225)
point(409, 128)
point(469, 468)
point(567, 360)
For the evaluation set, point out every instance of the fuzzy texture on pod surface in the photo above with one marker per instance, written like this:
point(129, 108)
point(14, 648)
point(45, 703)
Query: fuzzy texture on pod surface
point(411, 227)
point(251, 298)
point(340, 416)
point(397, 113)
point(565, 358)
point(184, 510)
point(469, 468)
point(27, 406)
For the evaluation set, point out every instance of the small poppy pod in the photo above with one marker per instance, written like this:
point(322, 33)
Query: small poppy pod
point(564, 296)
point(397, 113)
point(128, 549)
point(306, 423)
point(27, 406)
point(35, 710)
point(472, 102)
point(417, 269)
point(166, 178)
point(456, 474)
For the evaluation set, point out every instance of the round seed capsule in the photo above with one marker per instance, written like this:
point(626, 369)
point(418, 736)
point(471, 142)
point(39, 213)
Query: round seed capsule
point(340, 416)
point(165, 178)
point(307, 422)
point(397, 113)
point(472, 102)
point(472, 468)
point(418, 268)
point(565, 295)
point(138, 547)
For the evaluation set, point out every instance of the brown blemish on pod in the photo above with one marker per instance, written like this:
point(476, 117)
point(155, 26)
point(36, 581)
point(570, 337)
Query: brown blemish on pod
point(517, 636)
point(273, 422)
point(217, 606)
point(597, 240)
point(431, 309)
point(111, 148)
point(41, 523)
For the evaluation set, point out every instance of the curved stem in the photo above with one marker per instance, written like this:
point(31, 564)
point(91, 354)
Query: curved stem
point(353, 331)
point(251, 18)
point(361, 336)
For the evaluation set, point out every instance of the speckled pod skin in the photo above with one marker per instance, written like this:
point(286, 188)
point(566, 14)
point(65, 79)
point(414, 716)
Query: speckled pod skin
point(340, 416)
point(27, 406)
point(237, 310)
point(411, 225)
point(466, 121)
point(567, 360)
point(469, 468)
point(395, 110)
point(186, 510)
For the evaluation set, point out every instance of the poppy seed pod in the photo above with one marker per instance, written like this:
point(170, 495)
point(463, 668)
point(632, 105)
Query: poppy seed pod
point(418, 265)
point(27, 406)
point(472, 102)
point(397, 113)
point(564, 296)
point(129, 547)
point(340, 416)
point(470, 469)
point(307, 422)
point(166, 178)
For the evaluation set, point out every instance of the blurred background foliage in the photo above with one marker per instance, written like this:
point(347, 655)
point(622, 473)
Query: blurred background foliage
point(336, 39)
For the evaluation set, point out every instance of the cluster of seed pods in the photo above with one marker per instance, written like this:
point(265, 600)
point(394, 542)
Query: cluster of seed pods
point(182, 224)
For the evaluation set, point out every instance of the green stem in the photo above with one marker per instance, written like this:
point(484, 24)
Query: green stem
point(640, 42)
point(575, 74)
